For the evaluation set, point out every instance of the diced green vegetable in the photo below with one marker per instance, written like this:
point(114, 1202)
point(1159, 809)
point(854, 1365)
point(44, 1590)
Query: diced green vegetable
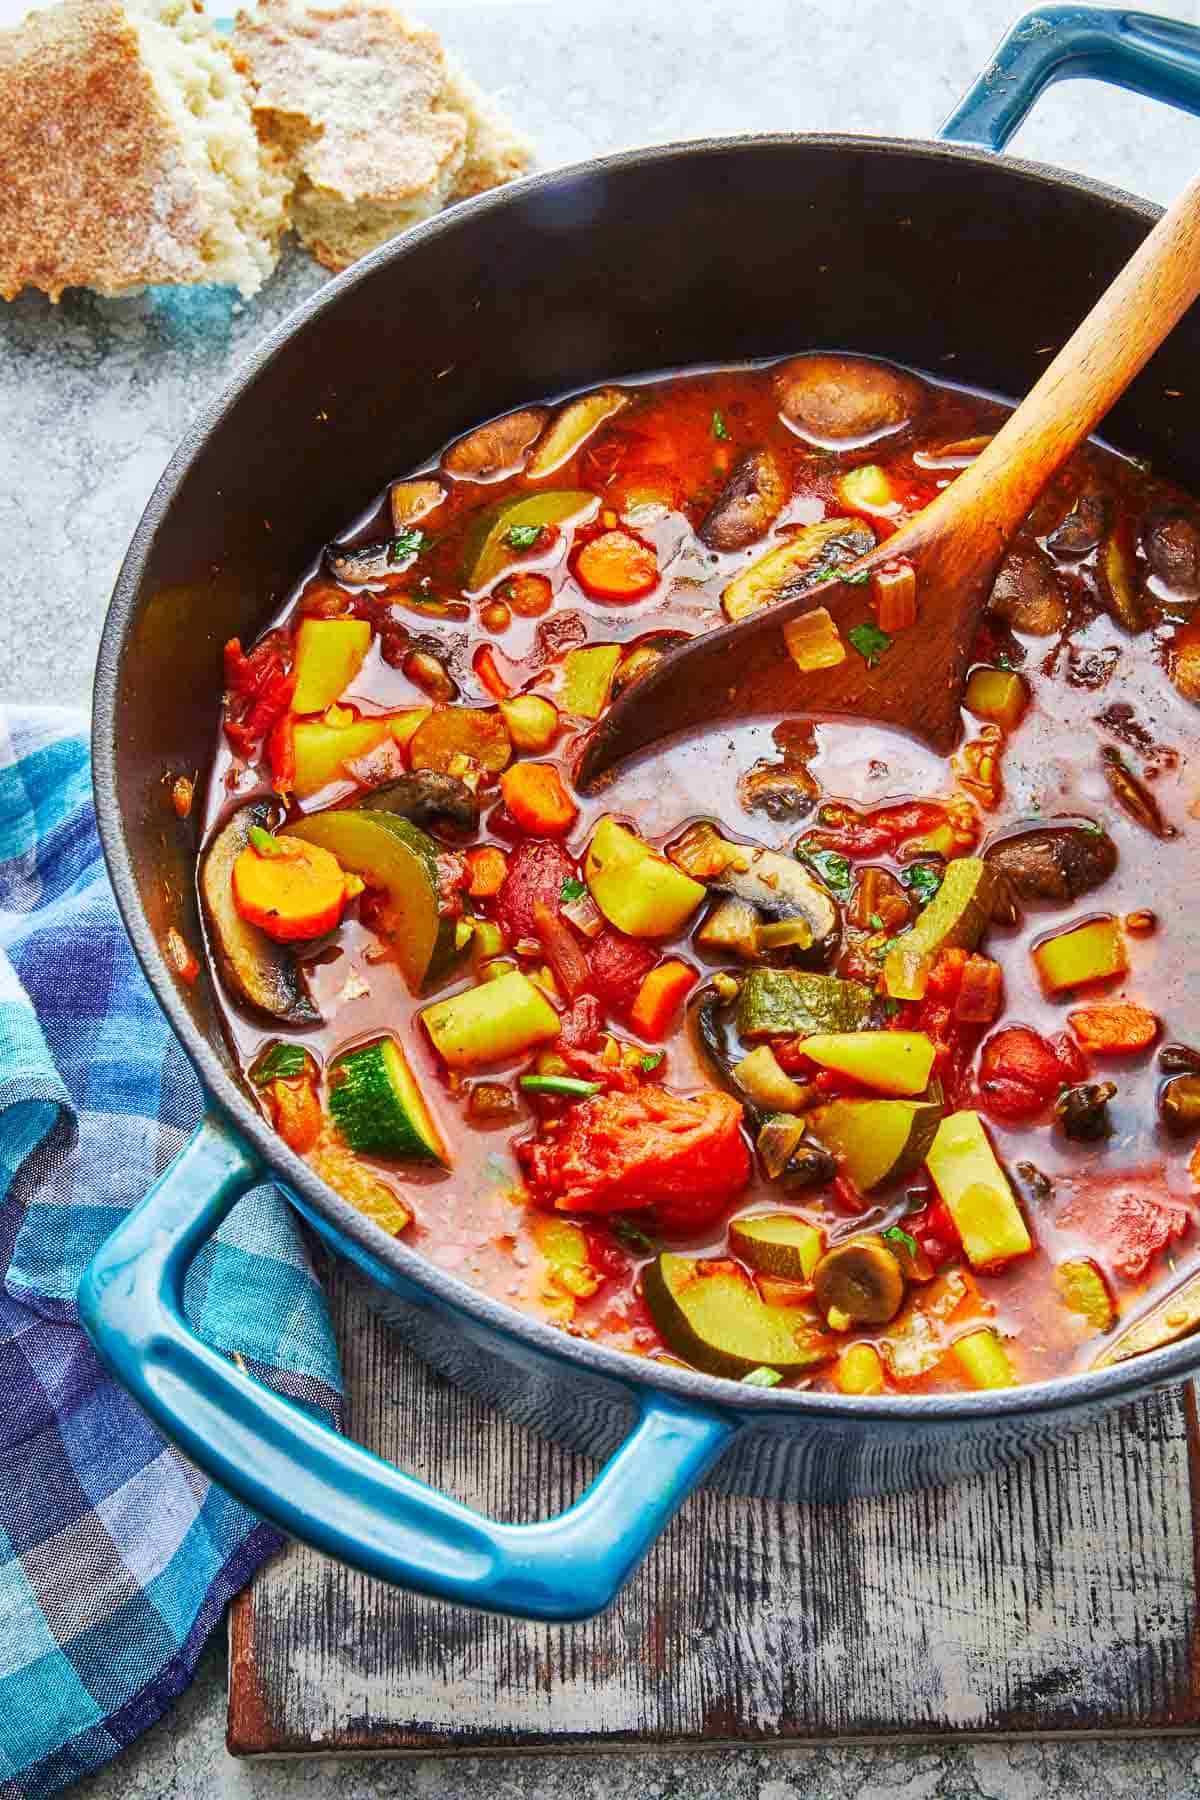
point(282, 1061)
point(323, 748)
point(565, 1248)
point(491, 1023)
point(561, 1087)
point(766, 1085)
point(777, 1244)
point(977, 1193)
point(588, 678)
point(636, 889)
point(378, 1107)
point(764, 1378)
point(983, 1359)
point(956, 917)
point(1093, 951)
point(891, 1062)
point(329, 654)
point(833, 868)
point(711, 1314)
point(792, 567)
point(489, 549)
point(876, 1140)
point(396, 856)
point(790, 1002)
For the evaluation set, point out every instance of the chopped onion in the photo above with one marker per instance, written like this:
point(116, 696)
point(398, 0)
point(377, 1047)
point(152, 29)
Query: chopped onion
point(584, 914)
point(814, 641)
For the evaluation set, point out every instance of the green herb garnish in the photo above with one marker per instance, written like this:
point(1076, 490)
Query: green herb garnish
point(633, 1237)
point(890, 1008)
point(923, 880)
point(901, 1237)
point(408, 543)
point(875, 922)
point(719, 427)
point(264, 843)
point(831, 866)
point(762, 1378)
point(652, 1059)
point(280, 1062)
point(859, 579)
point(571, 889)
point(870, 642)
point(523, 537)
point(562, 1087)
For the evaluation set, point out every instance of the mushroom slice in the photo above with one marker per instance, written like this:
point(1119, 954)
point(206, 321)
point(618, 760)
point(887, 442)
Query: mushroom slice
point(780, 888)
point(423, 796)
point(1116, 573)
point(364, 562)
point(1027, 594)
point(259, 971)
point(843, 402)
point(1054, 862)
point(1178, 1316)
point(1172, 544)
point(795, 565)
point(413, 500)
point(862, 1279)
point(497, 449)
point(749, 504)
point(570, 429)
point(1082, 528)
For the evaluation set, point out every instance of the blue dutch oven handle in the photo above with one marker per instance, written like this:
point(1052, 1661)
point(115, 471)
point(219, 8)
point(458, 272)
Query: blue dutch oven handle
point(291, 1468)
point(1156, 57)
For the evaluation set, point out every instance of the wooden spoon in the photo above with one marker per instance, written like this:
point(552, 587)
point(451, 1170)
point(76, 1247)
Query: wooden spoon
point(956, 545)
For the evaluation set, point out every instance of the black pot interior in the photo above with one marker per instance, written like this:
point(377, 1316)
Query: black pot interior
point(953, 261)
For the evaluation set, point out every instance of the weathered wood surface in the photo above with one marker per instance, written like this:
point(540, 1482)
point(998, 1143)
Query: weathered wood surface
point(1060, 1596)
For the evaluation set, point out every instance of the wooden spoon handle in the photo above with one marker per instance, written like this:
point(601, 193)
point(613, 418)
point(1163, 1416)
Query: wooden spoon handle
point(1091, 371)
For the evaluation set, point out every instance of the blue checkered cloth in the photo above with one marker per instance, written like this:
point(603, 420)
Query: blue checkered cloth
point(116, 1554)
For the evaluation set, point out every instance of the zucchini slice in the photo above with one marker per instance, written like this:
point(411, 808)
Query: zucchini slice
point(788, 1002)
point(777, 1244)
point(877, 1140)
point(259, 971)
point(397, 856)
point(712, 1314)
point(491, 549)
point(378, 1107)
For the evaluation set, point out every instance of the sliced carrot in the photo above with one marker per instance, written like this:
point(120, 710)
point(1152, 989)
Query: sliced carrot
point(660, 997)
point(486, 669)
point(537, 800)
point(488, 868)
point(297, 1113)
point(1114, 1030)
point(294, 891)
point(617, 565)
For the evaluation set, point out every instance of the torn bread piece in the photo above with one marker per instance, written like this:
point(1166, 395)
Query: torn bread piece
point(129, 154)
point(377, 129)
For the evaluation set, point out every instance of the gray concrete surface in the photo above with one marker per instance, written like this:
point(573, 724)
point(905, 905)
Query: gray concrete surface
point(93, 396)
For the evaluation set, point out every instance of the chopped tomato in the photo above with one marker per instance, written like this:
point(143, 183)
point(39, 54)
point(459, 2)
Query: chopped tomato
point(619, 965)
point(537, 870)
point(935, 1231)
point(281, 754)
point(258, 689)
point(878, 833)
point(1130, 1218)
point(686, 1158)
point(1021, 1072)
point(1114, 1030)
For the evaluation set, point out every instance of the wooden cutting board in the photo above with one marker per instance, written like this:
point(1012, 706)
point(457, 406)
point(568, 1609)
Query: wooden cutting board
point(1059, 1596)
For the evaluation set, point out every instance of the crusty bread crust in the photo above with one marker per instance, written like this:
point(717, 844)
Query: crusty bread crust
point(377, 129)
point(94, 190)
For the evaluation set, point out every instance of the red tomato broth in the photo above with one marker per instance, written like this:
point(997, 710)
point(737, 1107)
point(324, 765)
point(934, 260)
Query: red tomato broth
point(471, 1220)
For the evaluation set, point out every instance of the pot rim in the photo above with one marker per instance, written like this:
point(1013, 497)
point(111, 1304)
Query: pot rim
point(1067, 1392)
